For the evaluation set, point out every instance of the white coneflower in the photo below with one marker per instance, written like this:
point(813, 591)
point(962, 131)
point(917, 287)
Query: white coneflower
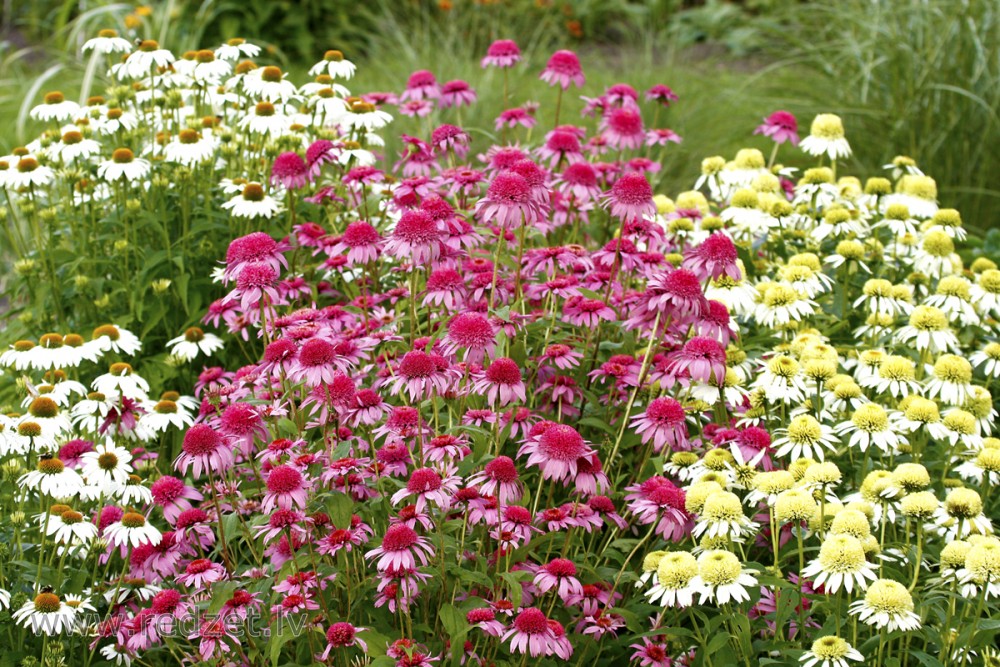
point(52, 478)
point(115, 121)
point(922, 413)
point(929, 331)
point(253, 202)
point(367, 117)
point(805, 437)
point(46, 614)
point(721, 578)
point(953, 297)
point(918, 193)
point(88, 414)
point(237, 48)
point(782, 380)
point(107, 467)
point(208, 70)
point(826, 137)
point(843, 394)
point(887, 604)
point(936, 256)
point(328, 107)
point(804, 279)
point(269, 83)
point(123, 165)
point(985, 465)
point(74, 146)
point(334, 64)
point(121, 379)
point(72, 528)
point(961, 515)
point(107, 42)
point(850, 254)
point(830, 651)
point(781, 304)
point(871, 424)
point(841, 564)
point(740, 297)
point(980, 405)
point(731, 390)
point(266, 119)
point(951, 380)
point(55, 107)
point(839, 223)
point(190, 147)
point(194, 340)
point(132, 529)
point(961, 427)
point(675, 572)
point(29, 173)
point(163, 415)
point(142, 63)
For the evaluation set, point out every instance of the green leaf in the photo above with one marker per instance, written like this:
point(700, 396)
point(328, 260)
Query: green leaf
point(340, 507)
point(287, 426)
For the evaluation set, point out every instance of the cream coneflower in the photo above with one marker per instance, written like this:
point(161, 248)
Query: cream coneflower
point(673, 587)
point(887, 604)
point(841, 564)
point(928, 331)
point(871, 424)
point(826, 137)
point(830, 651)
point(952, 380)
point(721, 578)
point(805, 437)
point(722, 515)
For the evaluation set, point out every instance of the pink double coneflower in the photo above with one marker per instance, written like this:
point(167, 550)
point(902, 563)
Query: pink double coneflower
point(422, 85)
point(562, 70)
point(367, 407)
point(513, 117)
point(662, 137)
point(658, 500)
point(287, 489)
point(173, 496)
point(472, 332)
point(290, 171)
point(556, 449)
point(445, 138)
point(401, 548)
point(508, 202)
point(622, 127)
point(561, 146)
point(558, 574)
point(457, 93)
point(502, 53)
point(702, 359)
point(254, 248)
point(342, 635)
point(420, 375)
point(427, 486)
point(201, 572)
point(531, 633)
point(663, 422)
point(417, 238)
point(661, 94)
point(631, 197)
point(501, 382)
point(499, 478)
point(204, 450)
point(589, 313)
point(714, 258)
point(780, 126)
point(317, 363)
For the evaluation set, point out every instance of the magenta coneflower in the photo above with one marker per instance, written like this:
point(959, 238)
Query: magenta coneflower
point(416, 108)
point(678, 292)
point(317, 363)
point(781, 126)
point(428, 486)
point(400, 549)
point(201, 572)
point(631, 197)
point(241, 423)
point(531, 633)
point(256, 247)
point(589, 313)
point(579, 180)
point(702, 359)
point(204, 449)
point(457, 93)
point(474, 333)
point(664, 423)
point(559, 574)
point(651, 654)
point(502, 382)
point(661, 94)
point(605, 508)
point(659, 500)
point(366, 408)
point(716, 323)
point(420, 374)
point(173, 495)
point(319, 152)
point(71, 452)
point(499, 478)
point(508, 200)
point(561, 146)
point(287, 488)
point(563, 69)
point(622, 127)
point(714, 258)
point(447, 137)
point(255, 281)
point(290, 171)
point(417, 238)
point(445, 287)
point(342, 635)
point(502, 53)
point(662, 137)
point(514, 117)
point(556, 450)
point(420, 86)
point(485, 619)
point(338, 539)
point(752, 441)
point(561, 356)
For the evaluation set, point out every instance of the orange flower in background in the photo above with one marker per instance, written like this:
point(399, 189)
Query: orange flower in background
point(132, 21)
point(445, 5)
point(144, 11)
point(574, 28)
